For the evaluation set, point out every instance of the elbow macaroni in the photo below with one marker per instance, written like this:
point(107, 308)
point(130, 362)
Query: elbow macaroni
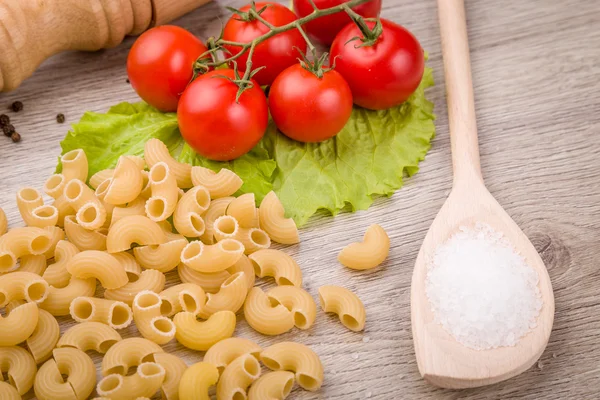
point(197, 380)
point(165, 193)
point(265, 318)
point(187, 217)
point(148, 319)
point(128, 353)
point(56, 235)
point(230, 297)
point(227, 350)
point(55, 185)
point(90, 212)
point(277, 264)
point(298, 358)
point(345, 304)
point(174, 370)
point(144, 383)
point(20, 367)
point(34, 264)
point(75, 165)
point(99, 265)
point(59, 299)
point(115, 314)
point(136, 207)
point(253, 239)
point(20, 242)
point(17, 326)
point(125, 184)
point(90, 336)
point(22, 285)
point(298, 301)
point(209, 282)
point(80, 376)
point(134, 229)
point(272, 220)
point(237, 377)
point(155, 151)
point(216, 209)
point(187, 297)
point(64, 209)
point(221, 184)
point(212, 258)
point(275, 385)
point(33, 211)
point(163, 257)
point(198, 335)
point(56, 274)
point(149, 279)
point(44, 337)
point(243, 209)
point(82, 238)
point(369, 253)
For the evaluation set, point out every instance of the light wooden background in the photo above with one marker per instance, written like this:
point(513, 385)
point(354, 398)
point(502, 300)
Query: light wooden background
point(536, 67)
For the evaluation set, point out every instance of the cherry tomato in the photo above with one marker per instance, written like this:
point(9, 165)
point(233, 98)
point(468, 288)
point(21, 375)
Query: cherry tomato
point(381, 75)
point(276, 53)
point(160, 64)
point(217, 126)
point(325, 28)
point(307, 108)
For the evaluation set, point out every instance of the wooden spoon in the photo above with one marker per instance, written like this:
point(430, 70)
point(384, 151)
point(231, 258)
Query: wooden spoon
point(441, 359)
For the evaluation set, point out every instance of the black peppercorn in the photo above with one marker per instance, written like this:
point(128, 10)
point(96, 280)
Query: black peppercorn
point(4, 120)
point(8, 129)
point(15, 137)
point(60, 118)
point(127, 80)
point(17, 106)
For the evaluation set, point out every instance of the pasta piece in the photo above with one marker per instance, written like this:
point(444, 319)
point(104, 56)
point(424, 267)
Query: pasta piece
point(33, 211)
point(277, 264)
point(64, 209)
point(174, 369)
point(115, 314)
point(369, 253)
point(216, 209)
point(128, 353)
point(298, 358)
point(230, 297)
point(8, 392)
point(55, 185)
point(209, 282)
point(83, 238)
point(90, 212)
point(125, 184)
point(272, 220)
point(243, 209)
point(253, 239)
point(264, 317)
point(139, 161)
point(17, 326)
point(165, 193)
point(136, 207)
point(237, 377)
point(100, 177)
point(163, 257)
point(75, 165)
point(224, 352)
point(134, 229)
point(12, 305)
point(298, 301)
point(197, 380)
point(148, 319)
point(59, 299)
point(244, 265)
point(221, 184)
point(183, 297)
point(198, 335)
point(187, 217)
point(22, 285)
point(345, 304)
point(99, 265)
point(44, 337)
point(56, 274)
point(149, 279)
point(3, 222)
point(90, 336)
point(212, 258)
point(129, 264)
point(155, 151)
point(20, 242)
point(144, 383)
point(275, 385)
point(78, 367)
point(146, 190)
point(19, 366)
point(34, 264)
point(57, 235)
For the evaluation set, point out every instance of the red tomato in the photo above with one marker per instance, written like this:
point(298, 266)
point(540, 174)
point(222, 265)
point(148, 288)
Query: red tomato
point(276, 53)
point(382, 75)
point(325, 28)
point(214, 124)
point(307, 108)
point(160, 64)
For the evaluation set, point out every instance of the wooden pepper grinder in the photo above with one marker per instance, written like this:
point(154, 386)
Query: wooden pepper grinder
point(33, 30)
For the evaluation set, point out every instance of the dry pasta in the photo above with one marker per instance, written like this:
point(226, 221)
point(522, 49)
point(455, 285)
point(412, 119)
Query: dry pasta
point(33, 211)
point(298, 301)
point(237, 377)
point(90, 212)
point(163, 257)
point(19, 366)
point(128, 353)
point(80, 374)
point(74, 165)
point(22, 285)
point(90, 336)
point(155, 151)
point(149, 279)
point(210, 282)
point(125, 184)
point(115, 314)
point(64, 209)
point(272, 220)
point(17, 326)
point(345, 304)
point(198, 335)
point(59, 299)
point(243, 209)
point(20, 242)
point(187, 217)
point(275, 385)
point(3, 222)
point(265, 318)
point(99, 265)
point(253, 239)
point(165, 193)
point(227, 350)
point(197, 380)
point(129, 264)
point(369, 253)
point(148, 319)
point(277, 264)
point(230, 297)
point(174, 369)
point(44, 337)
point(56, 235)
point(136, 207)
point(220, 184)
point(83, 238)
point(298, 358)
point(133, 229)
point(216, 209)
point(100, 177)
point(183, 297)
point(55, 185)
point(244, 265)
point(8, 392)
point(56, 274)
point(212, 258)
point(34, 264)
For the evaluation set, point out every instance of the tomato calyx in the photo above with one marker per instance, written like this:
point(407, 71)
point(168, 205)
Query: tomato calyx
point(251, 15)
point(243, 83)
point(317, 65)
point(370, 35)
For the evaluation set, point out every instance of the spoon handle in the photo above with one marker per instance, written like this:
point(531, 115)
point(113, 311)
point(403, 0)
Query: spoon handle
point(459, 91)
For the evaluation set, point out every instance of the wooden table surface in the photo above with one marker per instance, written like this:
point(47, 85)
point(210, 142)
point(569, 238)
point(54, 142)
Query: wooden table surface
point(536, 68)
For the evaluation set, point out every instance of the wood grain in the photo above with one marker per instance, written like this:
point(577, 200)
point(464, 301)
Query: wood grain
point(535, 72)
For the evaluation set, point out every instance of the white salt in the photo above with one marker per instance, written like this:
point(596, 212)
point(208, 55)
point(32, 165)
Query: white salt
point(481, 290)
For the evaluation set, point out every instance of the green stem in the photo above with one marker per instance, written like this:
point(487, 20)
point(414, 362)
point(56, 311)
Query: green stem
point(306, 39)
